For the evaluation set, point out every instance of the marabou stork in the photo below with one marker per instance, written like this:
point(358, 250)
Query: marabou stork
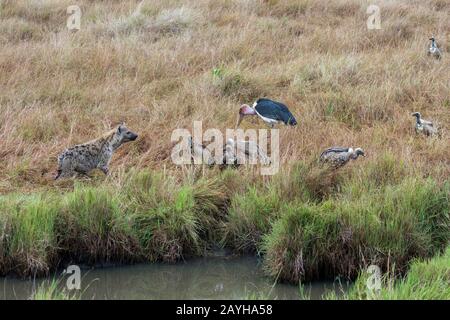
point(271, 112)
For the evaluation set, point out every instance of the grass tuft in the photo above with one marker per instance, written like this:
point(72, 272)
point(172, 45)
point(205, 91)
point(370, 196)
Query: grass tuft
point(94, 227)
point(341, 236)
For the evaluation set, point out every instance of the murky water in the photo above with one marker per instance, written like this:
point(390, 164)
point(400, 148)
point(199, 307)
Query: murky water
point(202, 278)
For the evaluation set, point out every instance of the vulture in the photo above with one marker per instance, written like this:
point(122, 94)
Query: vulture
point(271, 112)
point(433, 50)
point(200, 149)
point(424, 126)
point(338, 156)
point(248, 149)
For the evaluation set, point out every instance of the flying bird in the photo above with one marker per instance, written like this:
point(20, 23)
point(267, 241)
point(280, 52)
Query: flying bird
point(424, 126)
point(271, 112)
point(433, 50)
point(339, 156)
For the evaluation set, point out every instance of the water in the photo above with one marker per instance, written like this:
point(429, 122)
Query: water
point(202, 278)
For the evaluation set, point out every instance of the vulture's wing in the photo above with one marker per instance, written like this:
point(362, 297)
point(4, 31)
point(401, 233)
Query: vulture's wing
point(334, 150)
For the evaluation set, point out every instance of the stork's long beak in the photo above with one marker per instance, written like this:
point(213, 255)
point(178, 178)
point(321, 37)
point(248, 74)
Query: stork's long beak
point(239, 120)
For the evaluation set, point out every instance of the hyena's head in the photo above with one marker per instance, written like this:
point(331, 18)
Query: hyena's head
point(123, 134)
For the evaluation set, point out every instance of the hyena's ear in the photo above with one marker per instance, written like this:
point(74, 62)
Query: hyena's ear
point(121, 126)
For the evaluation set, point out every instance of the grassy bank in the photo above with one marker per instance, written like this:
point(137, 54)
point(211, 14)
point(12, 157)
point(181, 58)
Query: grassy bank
point(342, 236)
point(426, 280)
point(301, 235)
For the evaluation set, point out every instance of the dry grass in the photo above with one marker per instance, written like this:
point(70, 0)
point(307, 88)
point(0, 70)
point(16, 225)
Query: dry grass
point(152, 67)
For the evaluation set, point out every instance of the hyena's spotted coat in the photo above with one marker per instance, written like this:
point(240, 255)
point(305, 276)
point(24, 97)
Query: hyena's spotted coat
point(83, 158)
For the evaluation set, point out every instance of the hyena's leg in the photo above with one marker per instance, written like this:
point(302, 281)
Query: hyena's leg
point(103, 165)
point(66, 167)
point(59, 170)
point(82, 169)
point(58, 174)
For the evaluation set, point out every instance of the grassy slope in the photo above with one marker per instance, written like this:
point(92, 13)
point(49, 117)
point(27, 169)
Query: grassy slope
point(154, 69)
point(347, 85)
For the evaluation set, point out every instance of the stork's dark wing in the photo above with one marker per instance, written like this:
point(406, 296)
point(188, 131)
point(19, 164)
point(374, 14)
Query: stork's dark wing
point(335, 150)
point(275, 110)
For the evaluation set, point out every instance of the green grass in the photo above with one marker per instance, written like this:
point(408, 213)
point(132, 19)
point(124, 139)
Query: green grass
point(302, 234)
point(94, 226)
point(426, 280)
point(260, 295)
point(170, 229)
point(249, 217)
point(28, 233)
point(342, 235)
point(172, 220)
point(51, 290)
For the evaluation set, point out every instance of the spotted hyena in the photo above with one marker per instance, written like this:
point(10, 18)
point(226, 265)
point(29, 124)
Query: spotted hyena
point(95, 154)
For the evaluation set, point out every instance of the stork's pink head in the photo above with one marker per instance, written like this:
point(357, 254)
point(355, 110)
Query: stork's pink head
point(245, 110)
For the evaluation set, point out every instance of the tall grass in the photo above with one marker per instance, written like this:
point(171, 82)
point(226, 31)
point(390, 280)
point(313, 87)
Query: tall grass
point(249, 217)
point(28, 233)
point(151, 216)
point(341, 236)
point(51, 290)
point(426, 280)
point(172, 220)
point(93, 226)
point(146, 217)
point(347, 85)
point(170, 229)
